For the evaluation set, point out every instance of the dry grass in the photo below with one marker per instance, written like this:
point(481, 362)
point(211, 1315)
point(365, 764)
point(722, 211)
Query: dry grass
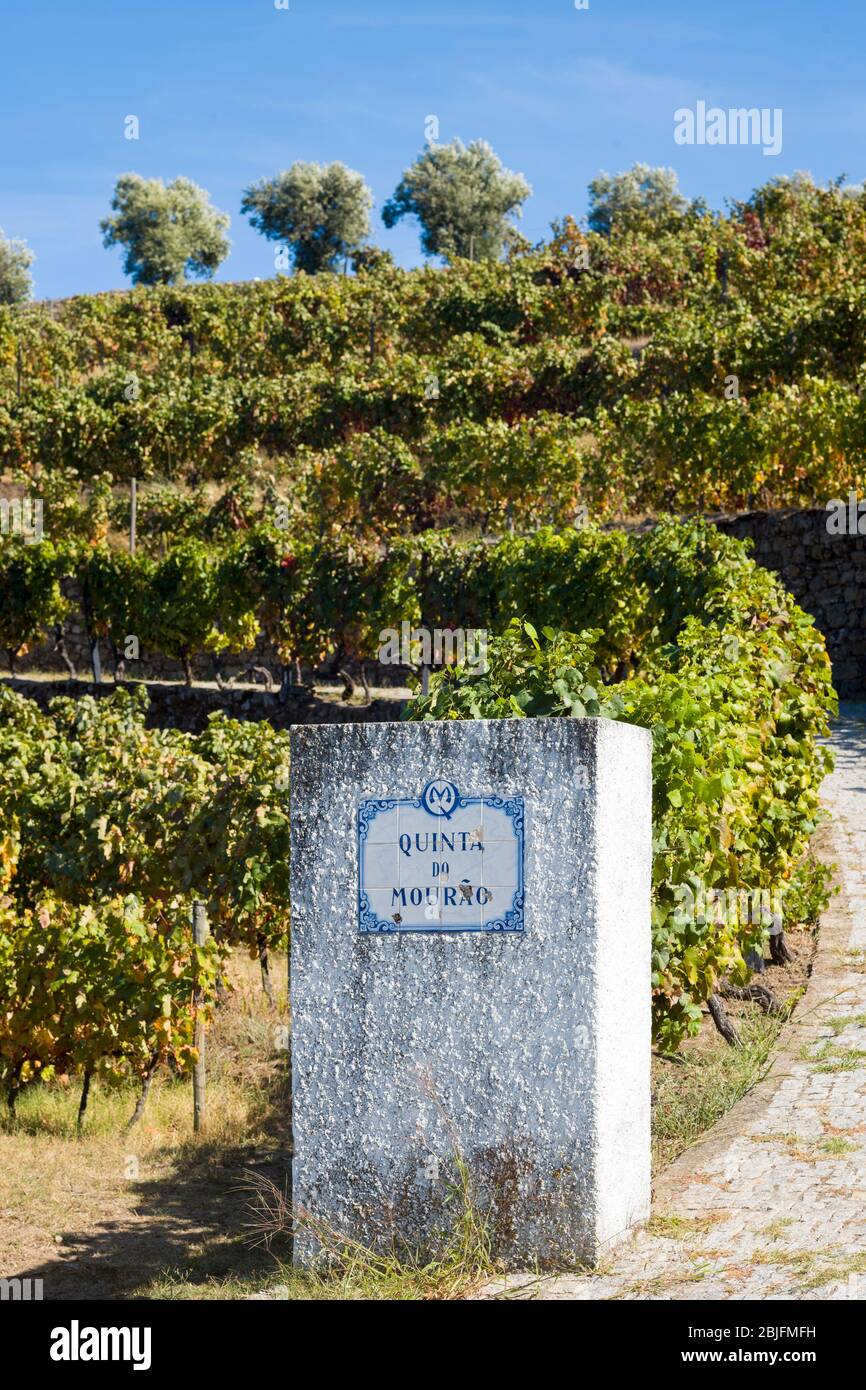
point(690, 1098)
point(107, 1215)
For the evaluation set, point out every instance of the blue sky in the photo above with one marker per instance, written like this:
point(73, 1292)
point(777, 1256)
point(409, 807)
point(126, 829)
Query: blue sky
point(230, 91)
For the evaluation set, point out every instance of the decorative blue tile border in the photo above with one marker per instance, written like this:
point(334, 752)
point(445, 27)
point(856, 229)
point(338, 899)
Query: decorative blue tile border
point(441, 800)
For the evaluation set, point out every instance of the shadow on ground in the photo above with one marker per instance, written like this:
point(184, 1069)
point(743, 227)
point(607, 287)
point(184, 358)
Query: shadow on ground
point(190, 1225)
point(849, 737)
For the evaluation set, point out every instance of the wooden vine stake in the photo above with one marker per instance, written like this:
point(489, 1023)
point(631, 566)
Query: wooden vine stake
point(199, 932)
point(133, 516)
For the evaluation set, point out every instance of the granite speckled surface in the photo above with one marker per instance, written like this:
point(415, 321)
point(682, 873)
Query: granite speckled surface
point(528, 1053)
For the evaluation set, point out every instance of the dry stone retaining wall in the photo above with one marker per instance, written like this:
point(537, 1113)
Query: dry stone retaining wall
point(825, 573)
point(174, 706)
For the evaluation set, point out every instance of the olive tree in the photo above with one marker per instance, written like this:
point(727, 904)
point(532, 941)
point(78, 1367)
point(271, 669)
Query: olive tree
point(321, 212)
point(462, 197)
point(640, 197)
point(170, 232)
point(16, 283)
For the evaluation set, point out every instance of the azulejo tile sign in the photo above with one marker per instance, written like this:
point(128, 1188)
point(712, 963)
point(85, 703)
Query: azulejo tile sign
point(441, 862)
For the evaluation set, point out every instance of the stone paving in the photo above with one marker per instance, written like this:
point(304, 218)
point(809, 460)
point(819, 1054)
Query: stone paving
point(771, 1204)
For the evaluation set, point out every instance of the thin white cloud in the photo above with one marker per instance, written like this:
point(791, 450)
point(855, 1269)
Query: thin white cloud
point(607, 87)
